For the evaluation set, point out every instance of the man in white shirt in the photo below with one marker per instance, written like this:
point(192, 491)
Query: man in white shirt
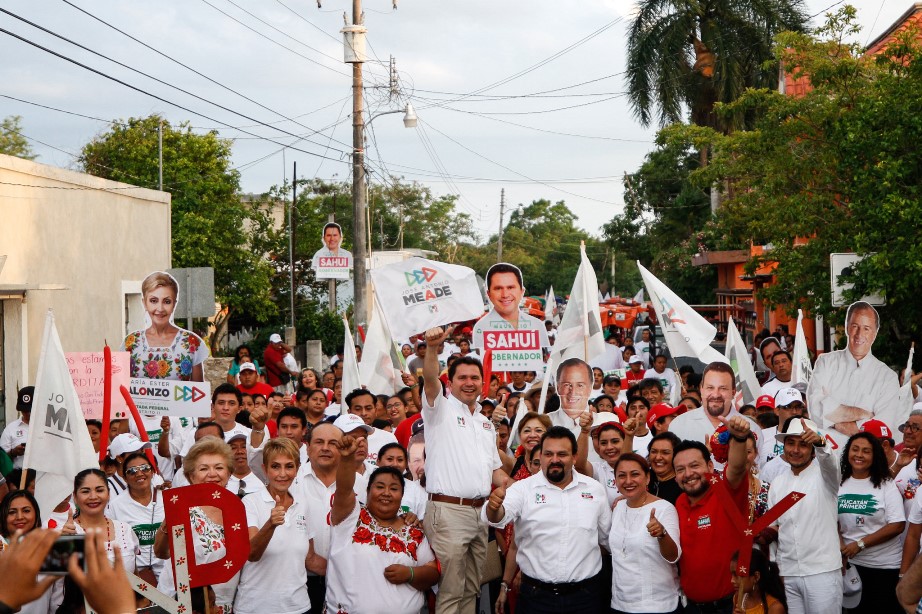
point(292, 424)
point(14, 437)
point(462, 463)
point(809, 556)
point(666, 376)
point(718, 387)
point(788, 403)
point(557, 506)
point(851, 385)
point(242, 480)
point(361, 403)
point(783, 369)
point(643, 347)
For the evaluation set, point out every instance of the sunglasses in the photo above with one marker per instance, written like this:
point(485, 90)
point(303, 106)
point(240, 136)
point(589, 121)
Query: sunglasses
point(138, 469)
point(240, 489)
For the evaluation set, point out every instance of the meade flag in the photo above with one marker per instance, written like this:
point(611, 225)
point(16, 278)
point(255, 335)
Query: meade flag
point(687, 333)
point(747, 384)
point(418, 294)
point(801, 356)
point(59, 445)
point(580, 332)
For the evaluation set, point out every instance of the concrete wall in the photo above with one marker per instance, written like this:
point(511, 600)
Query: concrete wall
point(95, 237)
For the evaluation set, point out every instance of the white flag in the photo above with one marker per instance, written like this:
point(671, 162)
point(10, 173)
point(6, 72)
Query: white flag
point(417, 294)
point(551, 304)
point(905, 395)
point(376, 370)
point(686, 332)
point(638, 298)
point(580, 332)
point(747, 384)
point(801, 355)
point(351, 379)
point(59, 445)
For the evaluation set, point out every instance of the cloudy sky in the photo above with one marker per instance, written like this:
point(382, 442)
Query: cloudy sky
point(526, 96)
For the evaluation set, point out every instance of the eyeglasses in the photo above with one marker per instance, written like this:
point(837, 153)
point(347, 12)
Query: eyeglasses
point(240, 489)
point(138, 469)
point(911, 428)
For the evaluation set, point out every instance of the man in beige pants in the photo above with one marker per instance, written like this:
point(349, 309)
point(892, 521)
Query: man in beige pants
point(461, 464)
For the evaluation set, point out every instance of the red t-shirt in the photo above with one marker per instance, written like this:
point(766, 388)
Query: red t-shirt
point(258, 388)
point(632, 378)
point(708, 539)
point(271, 358)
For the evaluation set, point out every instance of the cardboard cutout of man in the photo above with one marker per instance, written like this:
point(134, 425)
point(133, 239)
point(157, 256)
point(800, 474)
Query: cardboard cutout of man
point(850, 386)
point(515, 339)
point(332, 261)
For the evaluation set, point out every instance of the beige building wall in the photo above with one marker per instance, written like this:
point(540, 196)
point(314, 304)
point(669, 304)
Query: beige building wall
point(77, 244)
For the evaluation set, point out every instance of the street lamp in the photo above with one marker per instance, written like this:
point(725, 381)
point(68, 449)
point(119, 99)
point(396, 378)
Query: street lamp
point(359, 191)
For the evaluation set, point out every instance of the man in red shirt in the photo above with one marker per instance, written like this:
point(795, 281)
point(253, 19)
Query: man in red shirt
point(249, 381)
point(708, 537)
point(274, 359)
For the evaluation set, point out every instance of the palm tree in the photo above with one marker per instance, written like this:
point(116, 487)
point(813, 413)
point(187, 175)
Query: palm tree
point(694, 53)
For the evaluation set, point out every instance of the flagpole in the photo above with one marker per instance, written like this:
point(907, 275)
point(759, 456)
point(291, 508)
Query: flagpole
point(582, 250)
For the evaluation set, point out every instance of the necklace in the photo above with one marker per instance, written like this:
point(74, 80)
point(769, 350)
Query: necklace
point(627, 522)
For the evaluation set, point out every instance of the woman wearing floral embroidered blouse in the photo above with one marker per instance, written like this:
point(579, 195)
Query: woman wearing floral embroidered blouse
point(163, 350)
point(377, 562)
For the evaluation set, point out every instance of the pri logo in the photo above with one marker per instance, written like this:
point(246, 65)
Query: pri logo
point(420, 276)
point(539, 499)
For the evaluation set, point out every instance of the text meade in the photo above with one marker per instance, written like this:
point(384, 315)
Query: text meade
point(427, 295)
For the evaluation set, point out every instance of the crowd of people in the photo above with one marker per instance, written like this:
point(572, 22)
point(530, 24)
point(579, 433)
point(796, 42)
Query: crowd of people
point(455, 491)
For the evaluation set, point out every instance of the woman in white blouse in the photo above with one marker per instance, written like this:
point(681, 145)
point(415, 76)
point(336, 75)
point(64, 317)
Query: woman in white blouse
point(644, 543)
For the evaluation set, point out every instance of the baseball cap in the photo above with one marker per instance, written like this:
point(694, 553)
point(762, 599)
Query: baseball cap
point(661, 410)
point(766, 400)
point(236, 436)
point(877, 428)
point(611, 378)
point(612, 423)
point(247, 366)
point(275, 338)
point(634, 359)
point(786, 396)
point(796, 427)
point(24, 400)
point(350, 422)
point(851, 588)
point(125, 443)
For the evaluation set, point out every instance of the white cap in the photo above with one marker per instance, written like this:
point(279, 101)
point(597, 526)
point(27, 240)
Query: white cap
point(786, 396)
point(349, 422)
point(796, 427)
point(275, 338)
point(634, 359)
point(247, 366)
point(126, 443)
point(601, 417)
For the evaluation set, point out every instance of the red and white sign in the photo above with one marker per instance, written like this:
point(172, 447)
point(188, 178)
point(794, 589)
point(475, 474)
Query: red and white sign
point(511, 348)
point(163, 397)
point(87, 370)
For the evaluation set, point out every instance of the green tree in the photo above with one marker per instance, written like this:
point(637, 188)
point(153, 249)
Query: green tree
point(211, 225)
point(836, 170)
point(694, 54)
point(664, 215)
point(12, 142)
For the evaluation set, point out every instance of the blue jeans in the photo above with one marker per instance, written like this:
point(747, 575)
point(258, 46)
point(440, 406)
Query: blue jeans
point(534, 600)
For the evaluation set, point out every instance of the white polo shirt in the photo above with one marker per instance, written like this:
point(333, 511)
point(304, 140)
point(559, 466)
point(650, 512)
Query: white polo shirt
point(808, 533)
point(461, 452)
point(14, 434)
point(558, 530)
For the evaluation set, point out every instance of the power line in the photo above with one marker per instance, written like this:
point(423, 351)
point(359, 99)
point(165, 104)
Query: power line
point(162, 82)
point(154, 96)
point(189, 68)
point(541, 111)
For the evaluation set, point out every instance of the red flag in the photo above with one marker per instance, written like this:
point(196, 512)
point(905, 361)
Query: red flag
point(106, 401)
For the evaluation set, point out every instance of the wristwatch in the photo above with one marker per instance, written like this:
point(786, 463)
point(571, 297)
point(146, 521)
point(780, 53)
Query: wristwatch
point(861, 545)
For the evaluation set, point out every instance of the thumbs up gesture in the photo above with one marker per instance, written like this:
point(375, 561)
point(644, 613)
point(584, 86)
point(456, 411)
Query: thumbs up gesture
point(70, 527)
point(811, 437)
point(499, 413)
point(277, 517)
point(496, 498)
point(655, 527)
point(738, 426)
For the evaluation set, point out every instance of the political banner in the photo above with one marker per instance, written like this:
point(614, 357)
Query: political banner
point(580, 332)
point(87, 370)
point(512, 348)
point(418, 294)
point(332, 261)
point(747, 384)
point(803, 370)
point(163, 397)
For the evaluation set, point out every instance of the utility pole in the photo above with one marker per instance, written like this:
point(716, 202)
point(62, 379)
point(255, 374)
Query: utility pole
point(354, 39)
point(160, 153)
point(291, 239)
point(502, 209)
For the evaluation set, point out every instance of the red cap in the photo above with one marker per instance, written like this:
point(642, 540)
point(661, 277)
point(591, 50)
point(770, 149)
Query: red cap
point(877, 428)
point(661, 410)
point(612, 424)
point(766, 400)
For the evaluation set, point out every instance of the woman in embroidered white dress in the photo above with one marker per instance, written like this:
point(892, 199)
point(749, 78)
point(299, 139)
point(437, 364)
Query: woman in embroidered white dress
point(163, 350)
point(377, 562)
